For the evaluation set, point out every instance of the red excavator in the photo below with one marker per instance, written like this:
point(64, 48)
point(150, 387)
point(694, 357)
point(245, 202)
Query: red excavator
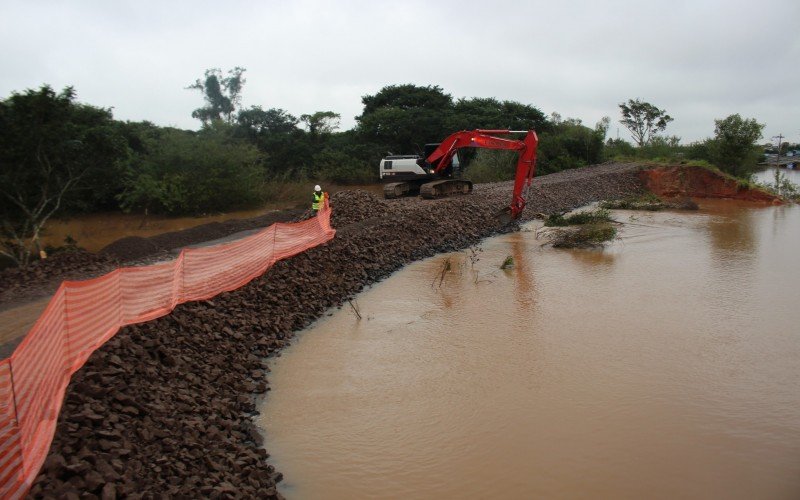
point(437, 173)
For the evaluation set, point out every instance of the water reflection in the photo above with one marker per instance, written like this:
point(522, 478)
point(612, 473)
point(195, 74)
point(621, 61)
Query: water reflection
point(593, 257)
point(448, 277)
point(662, 368)
point(522, 271)
point(733, 233)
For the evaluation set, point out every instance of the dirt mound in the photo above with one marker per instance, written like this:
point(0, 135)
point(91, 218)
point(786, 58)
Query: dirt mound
point(164, 408)
point(130, 248)
point(135, 248)
point(678, 181)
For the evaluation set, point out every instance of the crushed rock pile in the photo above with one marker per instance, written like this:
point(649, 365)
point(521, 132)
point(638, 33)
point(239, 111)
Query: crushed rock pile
point(356, 206)
point(19, 284)
point(165, 408)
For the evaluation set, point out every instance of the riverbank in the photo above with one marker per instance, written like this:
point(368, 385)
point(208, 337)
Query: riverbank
point(166, 407)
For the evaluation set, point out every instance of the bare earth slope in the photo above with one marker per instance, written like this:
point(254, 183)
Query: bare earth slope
point(165, 407)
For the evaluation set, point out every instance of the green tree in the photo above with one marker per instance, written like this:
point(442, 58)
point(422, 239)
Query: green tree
point(662, 147)
point(567, 143)
point(643, 120)
point(602, 126)
point(222, 94)
point(734, 147)
point(337, 166)
point(618, 148)
point(50, 148)
point(288, 149)
point(184, 172)
point(490, 113)
point(321, 122)
point(256, 123)
point(492, 165)
point(402, 118)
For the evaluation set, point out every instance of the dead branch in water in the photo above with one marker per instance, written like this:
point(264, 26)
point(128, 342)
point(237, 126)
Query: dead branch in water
point(355, 308)
point(446, 268)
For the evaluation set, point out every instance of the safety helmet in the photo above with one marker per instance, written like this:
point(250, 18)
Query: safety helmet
point(317, 188)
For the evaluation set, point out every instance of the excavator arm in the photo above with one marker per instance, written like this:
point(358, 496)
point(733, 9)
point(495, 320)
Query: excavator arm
point(442, 157)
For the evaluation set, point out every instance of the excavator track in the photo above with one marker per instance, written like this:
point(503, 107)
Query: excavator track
point(395, 190)
point(400, 189)
point(445, 187)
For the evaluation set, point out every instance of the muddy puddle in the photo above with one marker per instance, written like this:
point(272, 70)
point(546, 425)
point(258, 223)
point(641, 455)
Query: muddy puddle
point(665, 366)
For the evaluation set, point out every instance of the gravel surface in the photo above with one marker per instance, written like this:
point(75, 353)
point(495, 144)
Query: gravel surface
point(165, 408)
point(134, 248)
point(42, 278)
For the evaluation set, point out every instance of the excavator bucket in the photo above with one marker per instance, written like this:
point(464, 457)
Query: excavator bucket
point(504, 216)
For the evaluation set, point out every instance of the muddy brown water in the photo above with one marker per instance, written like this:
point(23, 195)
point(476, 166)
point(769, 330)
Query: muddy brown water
point(95, 231)
point(665, 366)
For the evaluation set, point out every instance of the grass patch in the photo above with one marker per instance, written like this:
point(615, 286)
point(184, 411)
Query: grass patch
point(589, 228)
point(585, 236)
point(509, 262)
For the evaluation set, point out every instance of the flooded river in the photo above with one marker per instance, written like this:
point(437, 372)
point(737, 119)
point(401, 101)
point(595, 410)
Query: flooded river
point(665, 366)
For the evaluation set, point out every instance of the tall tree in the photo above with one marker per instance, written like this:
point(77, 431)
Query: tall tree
point(602, 126)
point(276, 133)
point(256, 122)
point(643, 120)
point(321, 122)
point(490, 113)
point(734, 148)
point(222, 94)
point(49, 147)
point(402, 118)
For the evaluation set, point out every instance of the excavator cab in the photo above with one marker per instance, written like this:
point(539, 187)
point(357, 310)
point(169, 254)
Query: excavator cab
point(452, 170)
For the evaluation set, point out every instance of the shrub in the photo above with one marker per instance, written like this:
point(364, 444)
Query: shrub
point(182, 172)
point(587, 235)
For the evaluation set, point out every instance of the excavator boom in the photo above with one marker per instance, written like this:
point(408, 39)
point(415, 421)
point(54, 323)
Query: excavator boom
point(442, 157)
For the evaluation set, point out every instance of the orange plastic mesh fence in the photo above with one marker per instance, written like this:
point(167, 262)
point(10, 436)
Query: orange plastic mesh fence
point(82, 315)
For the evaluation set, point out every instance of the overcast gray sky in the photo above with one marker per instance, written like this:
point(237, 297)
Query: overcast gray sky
point(699, 60)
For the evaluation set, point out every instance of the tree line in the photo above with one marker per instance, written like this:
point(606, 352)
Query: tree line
point(59, 156)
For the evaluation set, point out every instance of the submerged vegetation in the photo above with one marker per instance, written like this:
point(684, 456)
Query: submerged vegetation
point(584, 229)
point(586, 235)
point(582, 217)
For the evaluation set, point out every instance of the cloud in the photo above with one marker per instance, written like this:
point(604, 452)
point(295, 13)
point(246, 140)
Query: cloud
point(700, 60)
